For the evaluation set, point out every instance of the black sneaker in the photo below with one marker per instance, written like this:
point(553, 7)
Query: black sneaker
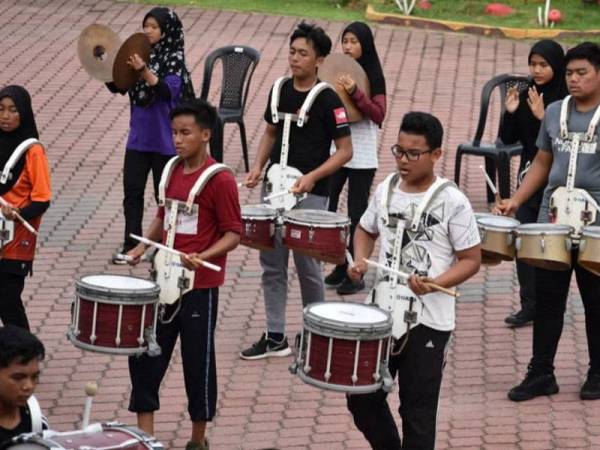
point(349, 287)
point(519, 319)
point(336, 277)
point(534, 385)
point(591, 388)
point(267, 348)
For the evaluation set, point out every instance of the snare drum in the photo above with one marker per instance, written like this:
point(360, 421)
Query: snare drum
point(497, 238)
point(7, 231)
point(115, 314)
point(344, 347)
point(258, 226)
point(545, 245)
point(589, 249)
point(317, 233)
point(106, 436)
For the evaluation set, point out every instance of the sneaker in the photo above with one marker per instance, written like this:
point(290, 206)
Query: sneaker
point(534, 385)
point(267, 348)
point(591, 388)
point(519, 319)
point(196, 445)
point(119, 258)
point(349, 287)
point(336, 277)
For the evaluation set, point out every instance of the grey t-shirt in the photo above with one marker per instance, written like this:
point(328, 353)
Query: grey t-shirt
point(588, 161)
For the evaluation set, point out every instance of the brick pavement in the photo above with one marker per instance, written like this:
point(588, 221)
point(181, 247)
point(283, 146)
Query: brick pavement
point(260, 404)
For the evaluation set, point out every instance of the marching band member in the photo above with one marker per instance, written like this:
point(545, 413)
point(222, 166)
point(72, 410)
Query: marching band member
point(164, 82)
point(25, 187)
point(307, 152)
point(358, 42)
point(20, 355)
point(208, 233)
point(569, 133)
point(522, 120)
point(427, 226)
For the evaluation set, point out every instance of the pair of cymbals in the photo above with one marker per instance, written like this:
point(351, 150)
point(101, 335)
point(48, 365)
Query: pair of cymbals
point(104, 57)
point(336, 65)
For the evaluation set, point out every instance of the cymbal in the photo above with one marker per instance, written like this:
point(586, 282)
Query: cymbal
point(123, 74)
point(97, 47)
point(336, 64)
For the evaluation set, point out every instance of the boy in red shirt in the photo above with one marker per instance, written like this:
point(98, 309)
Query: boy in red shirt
point(208, 234)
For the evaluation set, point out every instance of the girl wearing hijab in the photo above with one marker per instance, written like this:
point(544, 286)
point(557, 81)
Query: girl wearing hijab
point(358, 42)
point(164, 83)
point(522, 120)
point(27, 191)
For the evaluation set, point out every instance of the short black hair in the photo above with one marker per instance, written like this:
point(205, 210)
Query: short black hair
point(18, 345)
point(424, 124)
point(586, 50)
point(205, 114)
point(314, 35)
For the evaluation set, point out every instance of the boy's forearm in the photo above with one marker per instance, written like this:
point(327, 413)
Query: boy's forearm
point(460, 272)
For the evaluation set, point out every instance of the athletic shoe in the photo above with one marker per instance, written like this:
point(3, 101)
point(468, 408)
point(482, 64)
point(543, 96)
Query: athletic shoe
point(591, 388)
point(519, 319)
point(267, 348)
point(336, 277)
point(534, 385)
point(349, 287)
point(196, 445)
point(119, 258)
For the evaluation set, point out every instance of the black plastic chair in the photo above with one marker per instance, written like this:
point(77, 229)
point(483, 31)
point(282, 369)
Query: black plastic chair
point(239, 63)
point(497, 154)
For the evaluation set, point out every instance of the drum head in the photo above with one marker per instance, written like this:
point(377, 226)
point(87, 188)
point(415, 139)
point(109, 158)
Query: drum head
point(491, 221)
point(258, 211)
point(347, 315)
point(27, 446)
point(120, 282)
point(315, 217)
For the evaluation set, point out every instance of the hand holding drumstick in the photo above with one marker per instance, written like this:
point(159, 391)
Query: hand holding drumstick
point(503, 207)
point(12, 213)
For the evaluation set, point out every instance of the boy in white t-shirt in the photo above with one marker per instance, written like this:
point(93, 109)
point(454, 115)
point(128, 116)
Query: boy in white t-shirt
point(444, 250)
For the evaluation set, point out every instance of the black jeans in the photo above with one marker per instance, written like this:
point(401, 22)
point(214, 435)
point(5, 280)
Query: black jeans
point(419, 368)
point(552, 289)
point(526, 273)
point(359, 188)
point(195, 325)
point(12, 310)
point(136, 168)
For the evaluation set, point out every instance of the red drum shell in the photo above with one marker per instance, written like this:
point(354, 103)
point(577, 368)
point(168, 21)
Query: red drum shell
point(258, 227)
point(319, 234)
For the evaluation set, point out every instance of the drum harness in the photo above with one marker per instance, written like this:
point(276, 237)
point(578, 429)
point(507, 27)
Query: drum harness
point(281, 177)
point(410, 316)
point(174, 285)
point(569, 200)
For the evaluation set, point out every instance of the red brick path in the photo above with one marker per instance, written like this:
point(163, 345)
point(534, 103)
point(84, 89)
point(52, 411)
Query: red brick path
point(260, 403)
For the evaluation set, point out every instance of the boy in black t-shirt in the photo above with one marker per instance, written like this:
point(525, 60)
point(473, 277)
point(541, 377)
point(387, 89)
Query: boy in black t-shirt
point(20, 354)
point(309, 153)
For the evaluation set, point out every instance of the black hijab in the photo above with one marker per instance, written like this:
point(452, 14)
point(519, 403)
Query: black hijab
point(369, 60)
point(26, 130)
point(167, 58)
point(553, 53)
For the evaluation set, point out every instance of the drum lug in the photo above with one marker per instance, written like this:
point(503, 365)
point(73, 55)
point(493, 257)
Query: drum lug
point(311, 234)
point(343, 236)
point(569, 244)
point(543, 244)
point(482, 235)
point(509, 239)
point(518, 243)
point(272, 229)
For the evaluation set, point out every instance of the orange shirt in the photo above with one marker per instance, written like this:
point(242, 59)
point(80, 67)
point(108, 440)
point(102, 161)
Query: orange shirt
point(33, 185)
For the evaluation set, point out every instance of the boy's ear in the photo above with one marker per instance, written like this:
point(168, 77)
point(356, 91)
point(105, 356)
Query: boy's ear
point(436, 154)
point(206, 134)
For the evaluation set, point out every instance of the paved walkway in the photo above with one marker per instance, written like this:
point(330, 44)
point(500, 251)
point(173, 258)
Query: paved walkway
point(260, 403)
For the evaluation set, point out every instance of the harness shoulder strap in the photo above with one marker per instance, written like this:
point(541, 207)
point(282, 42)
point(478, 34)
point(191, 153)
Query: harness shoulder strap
point(564, 116)
point(164, 179)
point(388, 186)
point(593, 125)
point(201, 182)
point(275, 95)
point(35, 412)
point(309, 100)
point(14, 158)
point(438, 186)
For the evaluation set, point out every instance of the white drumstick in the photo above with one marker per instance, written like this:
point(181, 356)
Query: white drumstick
point(406, 276)
point(19, 218)
point(90, 390)
point(490, 183)
point(349, 258)
point(146, 241)
point(277, 194)
point(241, 184)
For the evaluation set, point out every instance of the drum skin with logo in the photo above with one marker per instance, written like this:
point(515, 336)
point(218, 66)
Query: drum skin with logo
point(344, 347)
point(114, 314)
point(320, 234)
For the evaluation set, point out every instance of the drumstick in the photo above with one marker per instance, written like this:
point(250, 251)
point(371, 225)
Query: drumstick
point(19, 217)
point(146, 241)
point(405, 276)
point(491, 185)
point(90, 390)
point(278, 194)
point(349, 258)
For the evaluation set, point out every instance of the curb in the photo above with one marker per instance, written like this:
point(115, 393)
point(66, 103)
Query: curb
point(484, 30)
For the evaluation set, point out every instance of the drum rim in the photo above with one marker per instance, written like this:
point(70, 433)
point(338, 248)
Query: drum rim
point(537, 229)
point(144, 292)
point(268, 214)
point(288, 217)
point(105, 350)
point(336, 328)
point(592, 231)
point(362, 389)
point(510, 223)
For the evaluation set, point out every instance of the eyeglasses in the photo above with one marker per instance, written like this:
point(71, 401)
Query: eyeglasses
point(411, 155)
